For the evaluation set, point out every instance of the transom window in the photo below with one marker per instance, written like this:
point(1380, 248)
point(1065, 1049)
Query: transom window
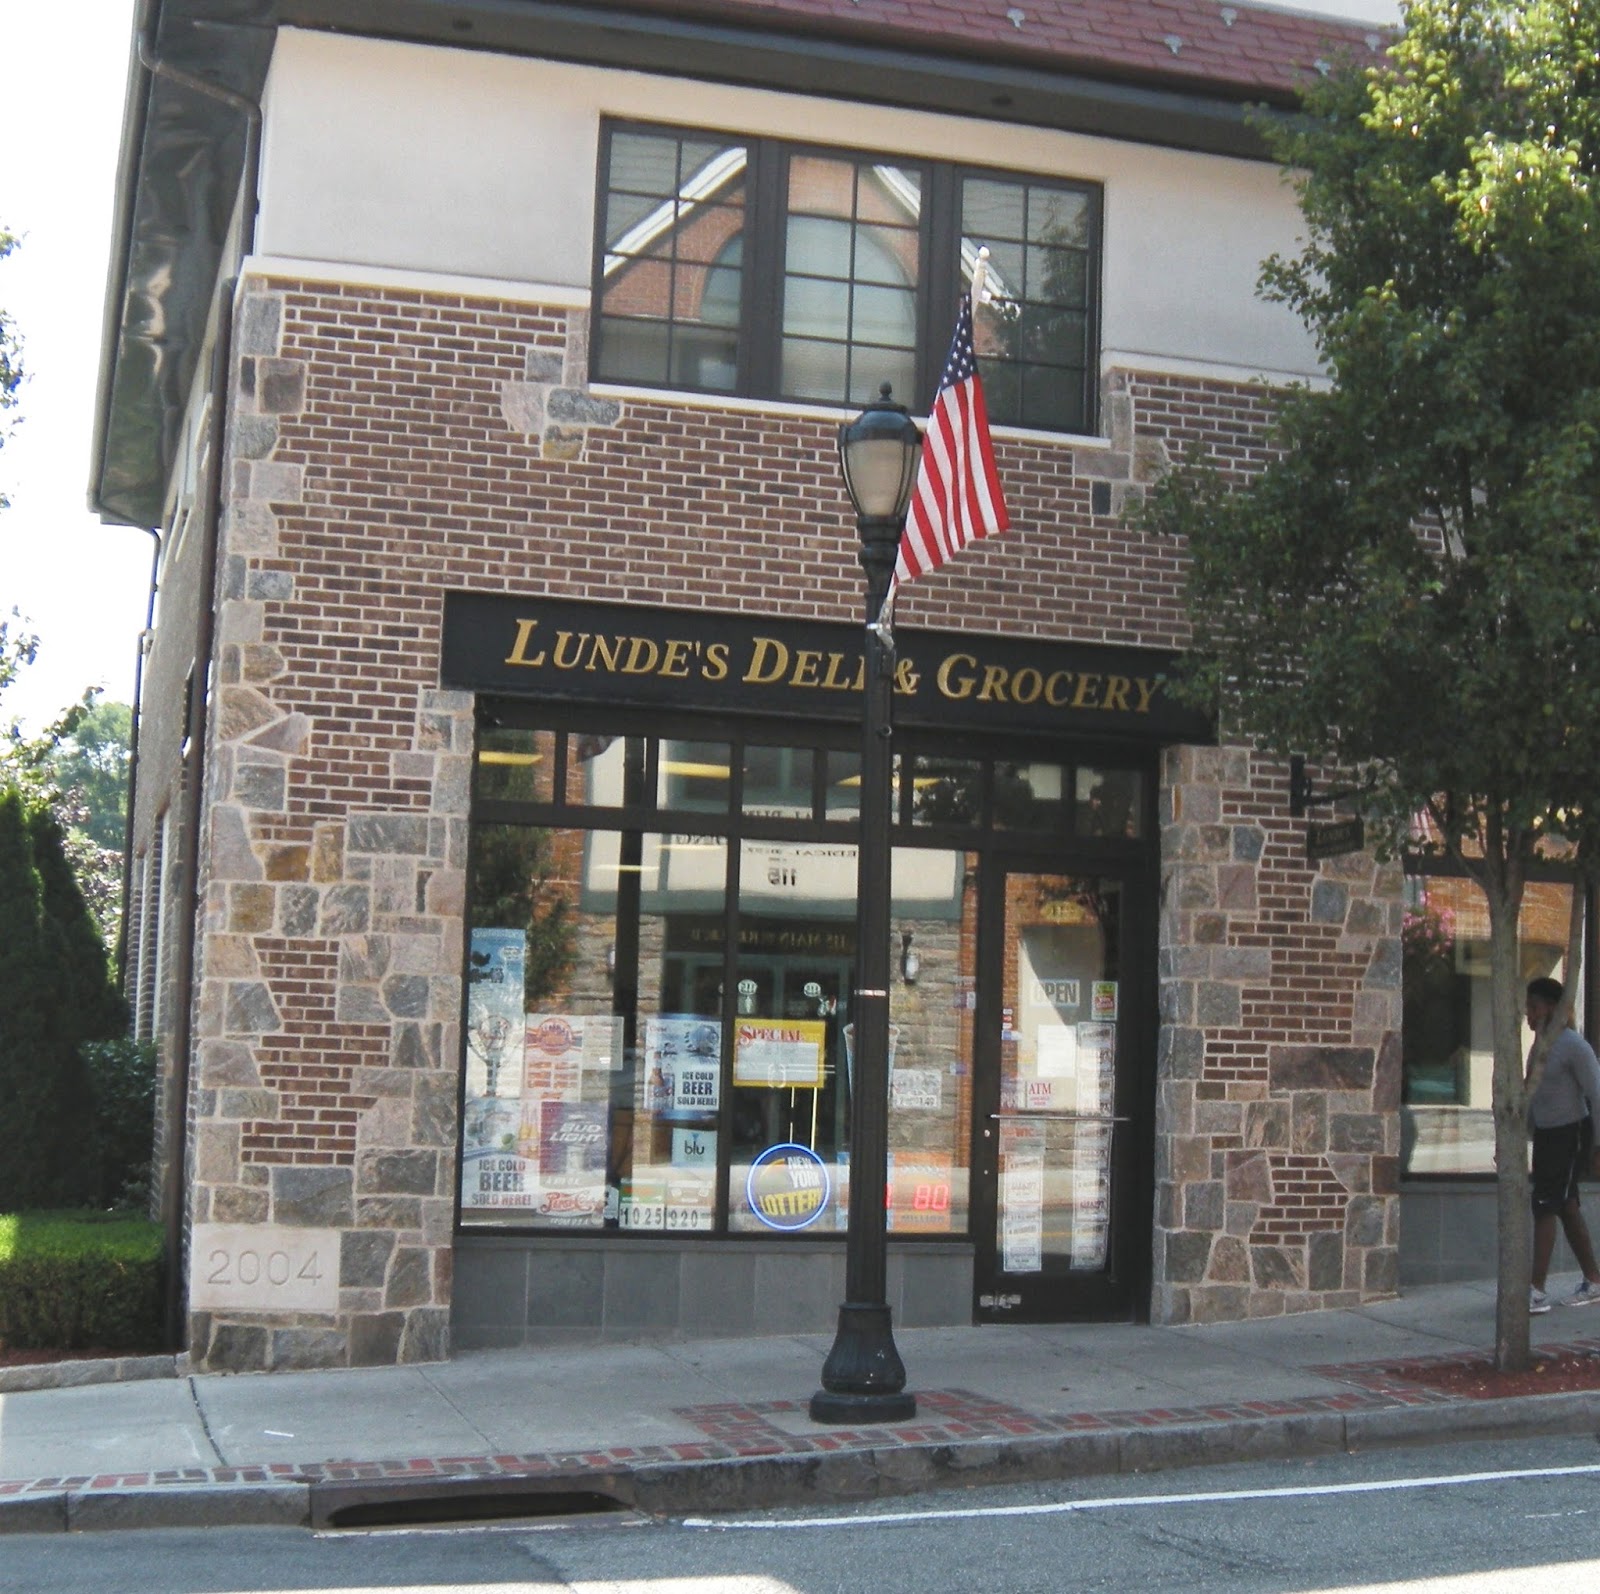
point(774, 270)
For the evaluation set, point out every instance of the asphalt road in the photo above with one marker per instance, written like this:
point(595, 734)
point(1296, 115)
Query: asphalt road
point(1505, 1518)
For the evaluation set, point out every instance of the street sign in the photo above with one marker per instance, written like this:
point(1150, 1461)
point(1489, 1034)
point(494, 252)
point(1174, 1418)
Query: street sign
point(1336, 837)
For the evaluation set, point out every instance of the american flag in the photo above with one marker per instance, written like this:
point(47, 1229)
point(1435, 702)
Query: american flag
point(957, 497)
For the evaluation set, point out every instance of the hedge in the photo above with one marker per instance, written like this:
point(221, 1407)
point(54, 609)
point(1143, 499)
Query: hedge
point(80, 1281)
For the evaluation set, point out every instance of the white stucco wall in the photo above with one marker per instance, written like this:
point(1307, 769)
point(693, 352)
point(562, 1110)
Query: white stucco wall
point(470, 164)
point(1385, 13)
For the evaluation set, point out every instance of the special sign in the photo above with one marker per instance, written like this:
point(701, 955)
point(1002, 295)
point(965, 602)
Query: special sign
point(650, 657)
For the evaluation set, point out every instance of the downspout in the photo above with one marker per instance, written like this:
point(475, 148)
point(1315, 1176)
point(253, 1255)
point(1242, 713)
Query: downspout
point(133, 769)
point(175, 1182)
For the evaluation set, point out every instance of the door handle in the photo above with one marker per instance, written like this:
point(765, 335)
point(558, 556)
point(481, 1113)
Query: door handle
point(1066, 1117)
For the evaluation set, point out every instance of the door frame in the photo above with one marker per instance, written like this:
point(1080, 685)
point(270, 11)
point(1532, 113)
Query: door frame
point(1122, 1291)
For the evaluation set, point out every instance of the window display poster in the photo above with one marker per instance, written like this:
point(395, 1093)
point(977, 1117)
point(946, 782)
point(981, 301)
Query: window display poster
point(644, 1200)
point(697, 1086)
point(494, 1171)
point(572, 1140)
point(493, 1178)
point(1103, 999)
point(1022, 1197)
point(675, 1042)
point(674, 1200)
point(915, 1090)
point(691, 1196)
point(694, 1148)
point(556, 1049)
point(780, 1052)
point(602, 1042)
point(1036, 1095)
point(564, 1144)
point(1091, 1196)
point(1097, 1057)
point(494, 1011)
point(1058, 1051)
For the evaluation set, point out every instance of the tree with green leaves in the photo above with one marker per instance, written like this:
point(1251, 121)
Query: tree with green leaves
point(78, 766)
point(1408, 589)
point(10, 357)
point(93, 760)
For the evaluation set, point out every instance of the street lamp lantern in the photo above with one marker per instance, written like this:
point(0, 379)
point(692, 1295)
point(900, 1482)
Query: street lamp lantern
point(878, 453)
point(863, 1378)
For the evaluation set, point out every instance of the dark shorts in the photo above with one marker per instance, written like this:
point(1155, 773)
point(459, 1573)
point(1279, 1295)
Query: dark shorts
point(1559, 1157)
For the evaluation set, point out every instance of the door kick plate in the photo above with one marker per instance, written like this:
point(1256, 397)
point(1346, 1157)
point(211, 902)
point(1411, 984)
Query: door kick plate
point(999, 1303)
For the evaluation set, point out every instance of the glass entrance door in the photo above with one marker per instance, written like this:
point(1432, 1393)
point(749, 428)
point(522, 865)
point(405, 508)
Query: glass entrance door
point(1060, 1224)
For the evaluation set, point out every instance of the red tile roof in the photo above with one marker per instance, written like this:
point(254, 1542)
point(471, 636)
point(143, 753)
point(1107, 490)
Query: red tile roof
point(1216, 45)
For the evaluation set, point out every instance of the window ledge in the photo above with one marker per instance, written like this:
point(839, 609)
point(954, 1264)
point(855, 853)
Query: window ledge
point(814, 412)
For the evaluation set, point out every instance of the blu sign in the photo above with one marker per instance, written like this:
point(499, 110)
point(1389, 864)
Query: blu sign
point(788, 1187)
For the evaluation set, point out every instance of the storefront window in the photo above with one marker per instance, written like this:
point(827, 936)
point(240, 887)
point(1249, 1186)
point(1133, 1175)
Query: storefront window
point(1110, 803)
point(696, 775)
point(1030, 796)
point(1447, 1121)
point(602, 771)
point(516, 765)
point(931, 1003)
point(946, 791)
point(659, 1032)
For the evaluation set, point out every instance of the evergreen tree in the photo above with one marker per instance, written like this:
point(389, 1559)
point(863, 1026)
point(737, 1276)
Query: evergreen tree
point(87, 1005)
point(30, 1108)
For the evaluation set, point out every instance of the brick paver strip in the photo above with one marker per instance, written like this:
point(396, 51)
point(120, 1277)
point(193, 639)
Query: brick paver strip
point(732, 1430)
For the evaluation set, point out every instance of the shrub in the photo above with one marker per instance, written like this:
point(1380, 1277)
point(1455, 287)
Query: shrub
point(80, 1280)
point(55, 994)
point(122, 1092)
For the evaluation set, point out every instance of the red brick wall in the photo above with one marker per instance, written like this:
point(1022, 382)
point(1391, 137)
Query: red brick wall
point(387, 446)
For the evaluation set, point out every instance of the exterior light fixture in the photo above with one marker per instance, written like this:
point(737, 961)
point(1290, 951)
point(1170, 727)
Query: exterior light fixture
point(878, 453)
point(910, 959)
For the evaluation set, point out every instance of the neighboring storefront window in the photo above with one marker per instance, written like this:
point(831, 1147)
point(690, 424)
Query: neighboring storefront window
point(1447, 1121)
point(659, 1034)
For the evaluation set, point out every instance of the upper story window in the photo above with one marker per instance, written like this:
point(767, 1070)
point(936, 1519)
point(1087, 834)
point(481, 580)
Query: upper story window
point(773, 270)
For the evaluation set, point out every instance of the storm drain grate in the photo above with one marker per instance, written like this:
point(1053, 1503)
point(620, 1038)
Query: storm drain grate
point(413, 1507)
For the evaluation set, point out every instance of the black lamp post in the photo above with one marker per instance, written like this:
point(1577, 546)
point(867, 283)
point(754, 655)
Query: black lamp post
point(863, 1379)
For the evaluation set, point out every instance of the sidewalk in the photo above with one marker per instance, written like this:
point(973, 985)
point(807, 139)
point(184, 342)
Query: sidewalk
point(723, 1424)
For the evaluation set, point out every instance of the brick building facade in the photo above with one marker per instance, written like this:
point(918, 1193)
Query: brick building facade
point(394, 432)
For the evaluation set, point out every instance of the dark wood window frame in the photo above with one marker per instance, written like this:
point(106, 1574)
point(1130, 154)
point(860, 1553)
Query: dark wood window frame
point(761, 314)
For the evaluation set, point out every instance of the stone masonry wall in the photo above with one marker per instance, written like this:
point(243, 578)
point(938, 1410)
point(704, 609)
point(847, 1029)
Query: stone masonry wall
point(386, 446)
point(1278, 1132)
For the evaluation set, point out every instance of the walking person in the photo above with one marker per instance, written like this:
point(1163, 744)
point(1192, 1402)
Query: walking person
point(1561, 1118)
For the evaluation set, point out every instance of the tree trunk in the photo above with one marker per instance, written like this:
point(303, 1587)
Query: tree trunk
point(1502, 883)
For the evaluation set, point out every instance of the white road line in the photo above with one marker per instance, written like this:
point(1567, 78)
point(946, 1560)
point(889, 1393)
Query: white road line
point(1118, 1502)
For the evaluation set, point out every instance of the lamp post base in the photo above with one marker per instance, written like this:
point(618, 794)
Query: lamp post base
point(863, 1379)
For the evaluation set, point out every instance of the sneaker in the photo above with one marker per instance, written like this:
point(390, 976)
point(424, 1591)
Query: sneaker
point(1538, 1302)
point(1586, 1294)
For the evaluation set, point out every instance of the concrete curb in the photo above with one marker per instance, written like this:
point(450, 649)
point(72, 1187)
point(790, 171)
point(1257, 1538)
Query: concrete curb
point(757, 1482)
point(92, 1370)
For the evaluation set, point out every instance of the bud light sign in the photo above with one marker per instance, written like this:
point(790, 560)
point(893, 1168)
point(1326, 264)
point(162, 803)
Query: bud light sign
point(788, 1187)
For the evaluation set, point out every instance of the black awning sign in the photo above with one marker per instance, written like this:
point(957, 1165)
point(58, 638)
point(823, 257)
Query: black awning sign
point(644, 657)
